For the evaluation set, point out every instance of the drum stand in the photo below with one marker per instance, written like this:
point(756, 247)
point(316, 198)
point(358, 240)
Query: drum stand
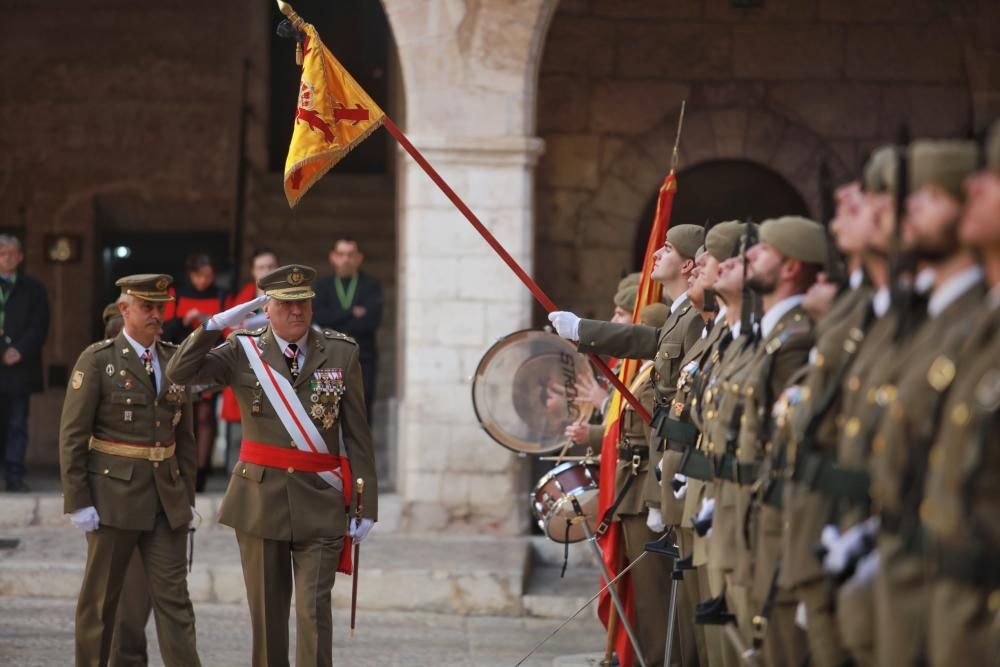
point(665, 547)
point(623, 619)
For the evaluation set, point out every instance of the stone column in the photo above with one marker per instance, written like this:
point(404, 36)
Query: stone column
point(469, 73)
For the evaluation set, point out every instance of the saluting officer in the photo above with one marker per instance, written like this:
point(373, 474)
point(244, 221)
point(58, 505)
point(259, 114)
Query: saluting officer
point(299, 391)
point(127, 457)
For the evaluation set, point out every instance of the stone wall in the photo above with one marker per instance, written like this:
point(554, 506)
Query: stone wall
point(786, 85)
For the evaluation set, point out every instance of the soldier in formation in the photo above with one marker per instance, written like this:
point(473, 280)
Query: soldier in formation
point(827, 422)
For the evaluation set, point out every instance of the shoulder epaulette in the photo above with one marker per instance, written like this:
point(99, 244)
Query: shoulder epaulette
point(100, 345)
point(167, 343)
point(336, 335)
point(250, 332)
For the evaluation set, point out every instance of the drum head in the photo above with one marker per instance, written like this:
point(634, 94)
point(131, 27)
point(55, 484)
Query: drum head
point(524, 391)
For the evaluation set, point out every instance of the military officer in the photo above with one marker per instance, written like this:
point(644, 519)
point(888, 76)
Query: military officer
point(961, 497)
point(126, 453)
point(301, 398)
point(917, 391)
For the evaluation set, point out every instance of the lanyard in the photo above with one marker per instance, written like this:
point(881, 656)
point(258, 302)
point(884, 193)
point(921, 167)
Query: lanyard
point(4, 295)
point(346, 298)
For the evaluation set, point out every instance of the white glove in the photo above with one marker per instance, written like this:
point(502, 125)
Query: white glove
point(849, 546)
point(707, 509)
point(867, 569)
point(566, 324)
point(654, 521)
point(195, 519)
point(86, 519)
point(801, 617)
point(682, 480)
point(234, 316)
point(360, 528)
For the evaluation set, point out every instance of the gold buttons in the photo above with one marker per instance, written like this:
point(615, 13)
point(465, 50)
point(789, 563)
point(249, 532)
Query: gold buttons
point(157, 422)
point(290, 470)
point(107, 471)
point(156, 464)
point(819, 361)
point(128, 401)
point(156, 404)
point(941, 373)
point(852, 427)
point(854, 383)
point(960, 414)
point(244, 472)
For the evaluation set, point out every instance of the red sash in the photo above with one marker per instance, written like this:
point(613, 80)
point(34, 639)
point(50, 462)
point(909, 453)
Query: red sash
point(283, 458)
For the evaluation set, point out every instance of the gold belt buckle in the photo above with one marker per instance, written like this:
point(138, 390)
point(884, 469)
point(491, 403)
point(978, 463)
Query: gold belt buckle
point(157, 453)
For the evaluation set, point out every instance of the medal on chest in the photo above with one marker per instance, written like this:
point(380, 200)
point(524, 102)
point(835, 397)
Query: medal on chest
point(326, 389)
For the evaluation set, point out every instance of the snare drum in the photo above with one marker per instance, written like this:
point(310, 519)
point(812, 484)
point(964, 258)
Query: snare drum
point(552, 500)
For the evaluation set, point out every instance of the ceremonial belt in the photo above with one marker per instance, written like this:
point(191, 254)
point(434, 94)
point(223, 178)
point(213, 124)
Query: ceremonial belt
point(630, 453)
point(820, 473)
point(975, 566)
point(696, 465)
point(725, 467)
point(683, 433)
point(292, 460)
point(154, 453)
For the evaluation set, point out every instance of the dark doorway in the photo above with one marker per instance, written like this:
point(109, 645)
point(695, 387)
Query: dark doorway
point(357, 33)
point(125, 253)
point(723, 190)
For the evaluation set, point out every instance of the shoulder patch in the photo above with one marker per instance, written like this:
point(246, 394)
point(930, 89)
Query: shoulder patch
point(336, 335)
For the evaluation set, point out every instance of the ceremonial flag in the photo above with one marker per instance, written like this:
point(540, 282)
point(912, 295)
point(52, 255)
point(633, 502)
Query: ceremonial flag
point(611, 541)
point(334, 114)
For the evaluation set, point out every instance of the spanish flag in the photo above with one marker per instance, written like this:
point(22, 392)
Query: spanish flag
point(334, 114)
point(611, 542)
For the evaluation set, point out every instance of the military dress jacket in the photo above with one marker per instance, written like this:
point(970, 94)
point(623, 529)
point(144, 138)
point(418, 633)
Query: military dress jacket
point(666, 346)
point(112, 398)
point(643, 493)
point(805, 511)
point(276, 504)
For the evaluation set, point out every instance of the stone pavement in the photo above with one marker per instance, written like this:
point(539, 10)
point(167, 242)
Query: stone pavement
point(38, 632)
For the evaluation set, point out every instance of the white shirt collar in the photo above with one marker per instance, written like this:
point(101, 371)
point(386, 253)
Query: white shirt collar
point(721, 315)
point(777, 311)
point(953, 288)
point(678, 302)
point(282, 344)
point(736, 328)
point(881, 302)
point(856, 278)
point(924, 281)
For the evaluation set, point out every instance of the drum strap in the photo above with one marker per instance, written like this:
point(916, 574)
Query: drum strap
point(609, 514)
point(569, 524)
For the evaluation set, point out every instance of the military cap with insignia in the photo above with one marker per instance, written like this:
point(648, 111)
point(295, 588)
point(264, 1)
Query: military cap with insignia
point(147, 286)
point(879, 173)
point(625, 298)
point(796, 237)
point(945, 164)
point(631, 280)
point(686, 239)
point(289, 283)
point(654, 314)
point(723, 239)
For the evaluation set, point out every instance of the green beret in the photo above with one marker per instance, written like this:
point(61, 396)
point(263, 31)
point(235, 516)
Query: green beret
point(796, 238)
point(880, 170)
point(993, 148)
point(631, 280)
point(289, 283)
point(945, 164)
point(110, 310)
point(723, 240)
point(686, 239)
point(625, 298)
point(654, 314)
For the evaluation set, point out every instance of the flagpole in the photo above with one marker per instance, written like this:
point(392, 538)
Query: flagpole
point(528, 282)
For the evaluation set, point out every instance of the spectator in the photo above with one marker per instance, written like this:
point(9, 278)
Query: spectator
point(262, 262)
point(24, 324)
point(198, 298)
point(350, 301)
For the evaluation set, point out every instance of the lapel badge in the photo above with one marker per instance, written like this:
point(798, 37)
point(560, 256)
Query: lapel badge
point(128, 415)
point(110, 370)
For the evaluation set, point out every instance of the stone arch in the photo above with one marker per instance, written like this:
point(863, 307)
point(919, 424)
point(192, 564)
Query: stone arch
point(606, 221)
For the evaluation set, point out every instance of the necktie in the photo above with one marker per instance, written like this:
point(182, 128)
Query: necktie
point(147, 363)
point(292, 359)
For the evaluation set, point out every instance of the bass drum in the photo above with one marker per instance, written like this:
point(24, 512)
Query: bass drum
point(552, 500)
point(524, 391)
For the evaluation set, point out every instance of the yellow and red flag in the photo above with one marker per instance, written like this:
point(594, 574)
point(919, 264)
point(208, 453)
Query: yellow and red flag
point(334, 114)
point(611, 542)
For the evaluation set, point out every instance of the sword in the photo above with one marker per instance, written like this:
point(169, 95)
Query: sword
point(360, 488)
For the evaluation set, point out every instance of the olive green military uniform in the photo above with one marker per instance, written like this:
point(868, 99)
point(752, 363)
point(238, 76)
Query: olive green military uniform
point(290, 525)
point(128, 450)
point(805, 511)
point(960, 505)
